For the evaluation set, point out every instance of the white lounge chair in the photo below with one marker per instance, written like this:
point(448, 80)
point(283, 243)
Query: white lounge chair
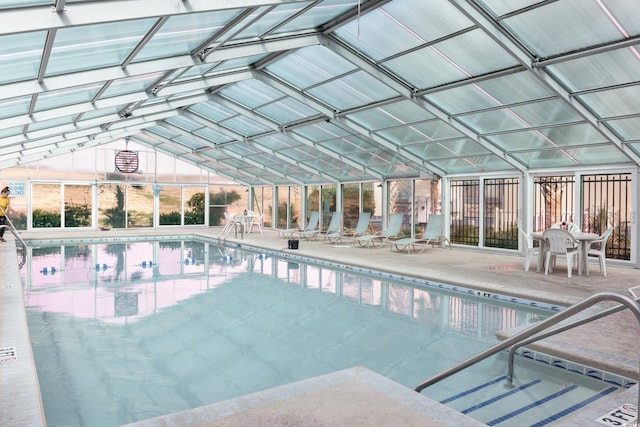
point(432, 235)
point(334, 227)
point(312, 224)
point(378, 239)
point(360, 230)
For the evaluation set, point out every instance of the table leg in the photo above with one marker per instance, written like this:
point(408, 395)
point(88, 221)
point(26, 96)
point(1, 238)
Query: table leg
point(541, 257)
point(584, 259)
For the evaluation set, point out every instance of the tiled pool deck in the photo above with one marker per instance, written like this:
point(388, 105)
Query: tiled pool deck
point(610, 344)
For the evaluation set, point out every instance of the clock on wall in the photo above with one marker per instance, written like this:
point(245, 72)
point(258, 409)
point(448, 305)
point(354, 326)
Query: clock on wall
point(127, 161)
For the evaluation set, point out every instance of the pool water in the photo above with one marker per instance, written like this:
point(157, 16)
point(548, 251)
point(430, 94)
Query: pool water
point(117, 342)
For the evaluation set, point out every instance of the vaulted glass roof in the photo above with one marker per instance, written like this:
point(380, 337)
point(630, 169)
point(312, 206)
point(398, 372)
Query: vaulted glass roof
point(276, 92)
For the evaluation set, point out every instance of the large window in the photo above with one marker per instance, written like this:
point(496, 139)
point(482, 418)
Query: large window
point(553, 201)
point(401, 201)
point(111, 206)
point(289, 213)
point(139, 205)
point(193, 202)
point(465, 212)
point(78, 205)
point(46, 205)
point(501, 202)
point(606, 202)
point(170, 205)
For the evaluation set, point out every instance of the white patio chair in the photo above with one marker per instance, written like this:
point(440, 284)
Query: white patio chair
point(529, 250)
point(560, 243)
point(256, 220)
point(598, 249)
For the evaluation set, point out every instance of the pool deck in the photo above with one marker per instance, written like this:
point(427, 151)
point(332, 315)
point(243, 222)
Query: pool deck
point(611, 344)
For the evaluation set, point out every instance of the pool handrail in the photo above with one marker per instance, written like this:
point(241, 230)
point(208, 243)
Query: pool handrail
point(543, 335)
point(13, 231)
point(626, 301)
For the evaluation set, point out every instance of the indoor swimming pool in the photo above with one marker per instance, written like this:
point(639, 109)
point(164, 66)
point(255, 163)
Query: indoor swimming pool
point(130, 330)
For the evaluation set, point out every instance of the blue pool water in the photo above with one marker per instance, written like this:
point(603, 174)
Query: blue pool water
point(123, 332)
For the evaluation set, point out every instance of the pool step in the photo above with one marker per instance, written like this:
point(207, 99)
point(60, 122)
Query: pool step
point(532, 402)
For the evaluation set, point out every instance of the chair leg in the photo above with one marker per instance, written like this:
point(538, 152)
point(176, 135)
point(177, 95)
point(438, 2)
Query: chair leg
point(547, 264)
point(603, 265)
point(527, 261)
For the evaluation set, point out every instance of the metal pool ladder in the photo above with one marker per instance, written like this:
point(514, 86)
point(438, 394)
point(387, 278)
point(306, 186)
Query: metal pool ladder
point(540, 330)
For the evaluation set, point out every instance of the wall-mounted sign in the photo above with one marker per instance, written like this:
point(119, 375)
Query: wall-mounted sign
point(16, 188)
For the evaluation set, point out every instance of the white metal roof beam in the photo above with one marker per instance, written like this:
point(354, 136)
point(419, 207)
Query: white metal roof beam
point(332, 114)
point(373, 70)
point(24, 19)
point(496, 33)
point(300, 97)
point(160, 65)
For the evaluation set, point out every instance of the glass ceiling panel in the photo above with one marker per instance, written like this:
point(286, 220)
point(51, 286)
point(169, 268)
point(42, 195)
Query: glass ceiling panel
point(245, 126)
point(431, 151)
point(44, 124)
point(251, 93)
point(448, 149)
point(390, 116)
point(163, 131)
point(510, 89)
point(325, 12)
point(385, 36)
point(546, 113)
point(183, 33)
point(309, 66)
point(64, 97)
point(353, 91)
point(562, 136)
point(20, 56)
point(94, 46)
point(320, 132)
point(502, 7)
point(599, 154)
point(475, 53)
point(277, 142)
point(236, 64)
point(473, 164)
point(91, 114)
point(627, 13)
point(212, 135)
point(628, 129)
point(493, 121)
point(563, 26)
point(605, 69)
point(12, 131)
point(268, 21)
point(212, 111)
point(130, 85)
point(14, 106)
point(602, 154)
point(402, 25)
point(421, 132)
point(615, 102)
point(188, 142)
point(288, 110)
point(412, 68)
point(195, 71)
point(13, 3)
point(184, 122)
